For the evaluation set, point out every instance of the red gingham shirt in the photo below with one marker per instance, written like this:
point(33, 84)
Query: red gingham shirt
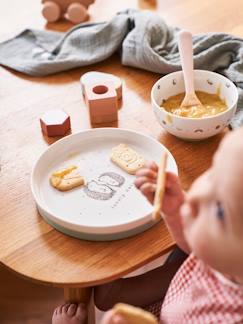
point(199, 295)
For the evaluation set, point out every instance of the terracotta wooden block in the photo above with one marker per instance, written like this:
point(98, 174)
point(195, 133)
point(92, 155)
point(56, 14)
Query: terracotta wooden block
point(74, 10)
point(55, 123)
point(94, 76)
point(101, 99)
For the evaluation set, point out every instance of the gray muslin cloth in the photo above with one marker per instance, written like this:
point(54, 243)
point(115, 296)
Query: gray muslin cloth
point(143, 39)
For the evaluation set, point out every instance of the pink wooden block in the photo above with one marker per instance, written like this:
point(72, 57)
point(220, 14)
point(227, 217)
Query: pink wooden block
point(74, 10)
point(96, 77)
point(101, 99)
point(55, 123)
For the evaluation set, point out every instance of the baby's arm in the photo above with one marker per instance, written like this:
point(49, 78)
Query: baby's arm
point(173, 199)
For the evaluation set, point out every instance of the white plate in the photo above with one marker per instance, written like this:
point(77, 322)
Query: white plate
point(109, 207)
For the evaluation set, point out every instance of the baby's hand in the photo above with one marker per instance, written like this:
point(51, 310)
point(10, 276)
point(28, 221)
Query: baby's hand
point(111, 318)
point(174, 197)
point(146, 179)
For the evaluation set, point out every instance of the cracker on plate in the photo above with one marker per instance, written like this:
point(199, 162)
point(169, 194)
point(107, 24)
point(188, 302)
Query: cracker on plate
point(127, 159)
point(67, 179)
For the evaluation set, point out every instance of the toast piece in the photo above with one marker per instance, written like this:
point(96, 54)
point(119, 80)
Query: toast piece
point(160, 188)
point(66, 179)
point(127, 159)
point(134, 315)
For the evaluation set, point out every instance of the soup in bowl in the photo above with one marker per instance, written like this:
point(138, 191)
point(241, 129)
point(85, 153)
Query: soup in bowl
point(217, 94)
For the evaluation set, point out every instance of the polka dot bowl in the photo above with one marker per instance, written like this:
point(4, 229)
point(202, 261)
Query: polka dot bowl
point(194, 128)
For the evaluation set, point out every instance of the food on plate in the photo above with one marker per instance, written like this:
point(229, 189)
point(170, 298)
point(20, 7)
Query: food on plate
point(67, 178)
point(127, 159)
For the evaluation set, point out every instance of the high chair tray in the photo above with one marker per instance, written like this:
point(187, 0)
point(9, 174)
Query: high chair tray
point(108, 206)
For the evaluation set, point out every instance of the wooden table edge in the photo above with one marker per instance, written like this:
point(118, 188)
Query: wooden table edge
point(91, 283)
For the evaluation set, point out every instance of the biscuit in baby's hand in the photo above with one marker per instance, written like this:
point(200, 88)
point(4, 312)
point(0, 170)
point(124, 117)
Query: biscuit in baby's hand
point(160, 187)
point(127, 159)
point(134, 315)
point(66, 179)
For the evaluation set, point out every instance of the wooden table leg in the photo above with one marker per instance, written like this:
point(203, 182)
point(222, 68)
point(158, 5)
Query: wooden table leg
point(81, 295)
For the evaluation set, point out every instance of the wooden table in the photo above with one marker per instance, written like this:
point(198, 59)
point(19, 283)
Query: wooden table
point(28, 245)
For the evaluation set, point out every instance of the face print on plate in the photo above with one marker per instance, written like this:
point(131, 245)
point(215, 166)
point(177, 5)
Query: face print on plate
point(102, 189)
point(112, 179)
point(98, 191)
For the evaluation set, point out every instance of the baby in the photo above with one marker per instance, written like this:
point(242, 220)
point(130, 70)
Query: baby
point(207, 223)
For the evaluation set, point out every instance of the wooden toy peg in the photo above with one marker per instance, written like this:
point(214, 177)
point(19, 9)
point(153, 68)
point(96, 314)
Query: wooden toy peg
point(75, 11)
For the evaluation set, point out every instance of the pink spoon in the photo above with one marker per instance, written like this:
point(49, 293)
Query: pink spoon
point(186, 55)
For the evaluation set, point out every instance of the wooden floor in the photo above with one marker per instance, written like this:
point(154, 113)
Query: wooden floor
point(22, 302)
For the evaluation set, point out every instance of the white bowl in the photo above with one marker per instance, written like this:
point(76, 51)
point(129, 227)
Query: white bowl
point(194, 128)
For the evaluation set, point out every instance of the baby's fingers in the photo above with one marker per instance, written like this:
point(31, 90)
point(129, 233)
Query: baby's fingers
point(145, 175)
point(151, 165)
point(149, 173)
point(148, 191)
point(173, 185)
point(140, 181)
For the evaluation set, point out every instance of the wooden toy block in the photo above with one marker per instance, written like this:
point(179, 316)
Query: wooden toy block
point(55, 123)
point(101, 99)
point(93, 77)
point(75, 11)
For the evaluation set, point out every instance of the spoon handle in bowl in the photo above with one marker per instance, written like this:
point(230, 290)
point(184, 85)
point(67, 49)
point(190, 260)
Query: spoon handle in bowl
point(186, 55)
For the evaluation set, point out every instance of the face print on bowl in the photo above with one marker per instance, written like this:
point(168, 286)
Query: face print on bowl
point(105, 187)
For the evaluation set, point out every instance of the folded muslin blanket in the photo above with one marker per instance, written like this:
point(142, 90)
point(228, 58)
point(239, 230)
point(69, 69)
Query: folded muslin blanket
point(144, 40)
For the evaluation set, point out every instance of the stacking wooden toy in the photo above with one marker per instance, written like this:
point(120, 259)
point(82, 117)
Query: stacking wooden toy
point(55, 123)
point(74, 10)
point(94, 76)
point(101, 99)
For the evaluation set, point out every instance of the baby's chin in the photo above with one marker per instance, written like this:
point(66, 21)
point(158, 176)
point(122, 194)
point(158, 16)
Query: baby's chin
point(229, 264)
point(212, 256)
